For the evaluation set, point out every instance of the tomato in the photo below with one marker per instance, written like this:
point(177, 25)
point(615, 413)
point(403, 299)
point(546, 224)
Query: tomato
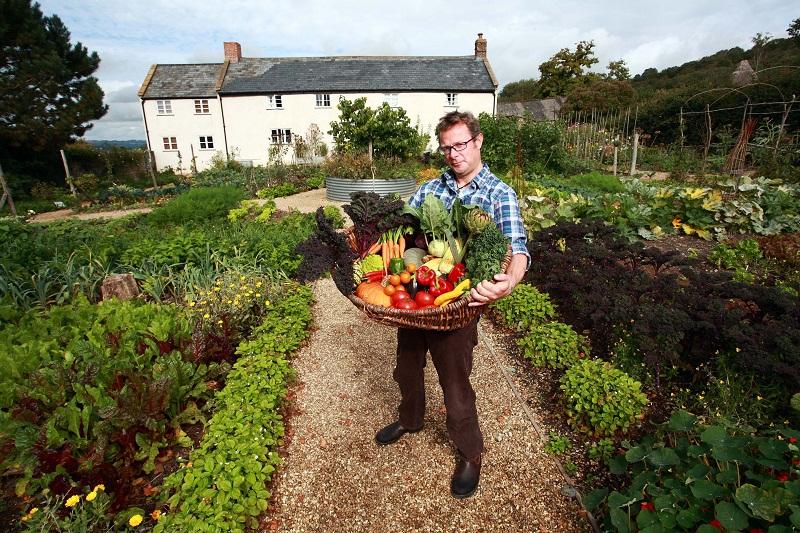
point(411, 268)
point(407, 303)
point(423, 298)
point(401, 288)
point(405, 277)
point(400, 296)
point(394, 279)
point(389, 290)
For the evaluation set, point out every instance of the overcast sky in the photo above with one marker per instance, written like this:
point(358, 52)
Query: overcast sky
point(131, 35)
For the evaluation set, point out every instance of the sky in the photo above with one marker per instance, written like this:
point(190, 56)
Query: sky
point(131, 35)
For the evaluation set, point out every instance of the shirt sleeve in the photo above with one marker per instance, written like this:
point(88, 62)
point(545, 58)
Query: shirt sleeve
point(508, 217)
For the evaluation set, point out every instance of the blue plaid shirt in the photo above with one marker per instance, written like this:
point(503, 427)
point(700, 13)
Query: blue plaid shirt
point(487, 192)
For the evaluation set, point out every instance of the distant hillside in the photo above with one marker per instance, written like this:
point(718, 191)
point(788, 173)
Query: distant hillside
point(715, 70)
point(123, 144)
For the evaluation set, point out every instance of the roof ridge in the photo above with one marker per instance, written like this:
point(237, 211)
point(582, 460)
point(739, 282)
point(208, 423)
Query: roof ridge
point(303, 58)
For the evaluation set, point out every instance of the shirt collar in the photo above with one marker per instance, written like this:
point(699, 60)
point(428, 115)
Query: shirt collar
point(479, 180)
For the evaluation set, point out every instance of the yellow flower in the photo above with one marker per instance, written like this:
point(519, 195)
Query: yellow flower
point(99, 488)
point(206, 315)
point(135, 520)
point(73, 501)
point(258, 295)
point(258, 283)
point(266, 303)
point(91, 496)
point(33, 511)
point(191, 304)
point(676, 222)
point(156, 514)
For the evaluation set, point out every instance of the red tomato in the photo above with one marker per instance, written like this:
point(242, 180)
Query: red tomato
point(406, 303)
point(400, 296)
point(423, 298)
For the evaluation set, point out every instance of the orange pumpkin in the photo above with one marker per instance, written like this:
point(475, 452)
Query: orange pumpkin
point(372, 293)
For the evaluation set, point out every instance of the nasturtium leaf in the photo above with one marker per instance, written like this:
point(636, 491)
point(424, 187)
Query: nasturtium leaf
point(595, 498)
point(696, 451)
point(682, 420)
point(707, 528)
point(728, 453)
point(714, 435)
point(730, 516)
point(618, 465)
point(687, 518)
point(664, 502)
point(646, 518)
point(707, 490)
point(619, 519)
point(698, 471)
point(760, 502)
point(636, 454)
point(727, 477)
point(772, 448)
point(663, 457)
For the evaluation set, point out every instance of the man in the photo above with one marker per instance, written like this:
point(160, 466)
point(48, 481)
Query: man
point(460, 141)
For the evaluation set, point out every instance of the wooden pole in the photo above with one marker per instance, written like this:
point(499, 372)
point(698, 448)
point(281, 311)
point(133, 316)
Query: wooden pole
point(6, 194)
point(635, 150)
point(69, 177)
point(786, 110)
point(616, 152)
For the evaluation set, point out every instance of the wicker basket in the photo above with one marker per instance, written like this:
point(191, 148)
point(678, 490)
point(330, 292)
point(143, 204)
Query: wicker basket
point(448, 318)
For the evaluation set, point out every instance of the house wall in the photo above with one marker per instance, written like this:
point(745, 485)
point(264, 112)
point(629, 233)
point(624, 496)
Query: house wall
point(187, 127)
point(249, 123)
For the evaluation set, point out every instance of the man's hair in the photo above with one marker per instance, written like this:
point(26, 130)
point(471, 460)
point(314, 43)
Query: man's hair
point(453, 118)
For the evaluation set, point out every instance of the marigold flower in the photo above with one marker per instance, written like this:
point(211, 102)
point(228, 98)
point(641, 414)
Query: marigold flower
point(91, 496)
point(73, 501)
point(135, 520)
point(155, 515)
point(99, 488)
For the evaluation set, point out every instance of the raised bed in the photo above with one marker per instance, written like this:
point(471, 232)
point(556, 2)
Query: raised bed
point(340, 189)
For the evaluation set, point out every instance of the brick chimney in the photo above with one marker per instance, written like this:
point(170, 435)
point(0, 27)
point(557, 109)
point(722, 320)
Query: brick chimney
point(233, 52)
point(480, 47)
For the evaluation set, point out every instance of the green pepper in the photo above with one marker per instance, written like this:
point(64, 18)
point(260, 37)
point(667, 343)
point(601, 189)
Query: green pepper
point(397, 265)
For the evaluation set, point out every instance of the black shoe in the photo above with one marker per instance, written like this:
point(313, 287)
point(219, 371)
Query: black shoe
point(391, 433)
point(465, 478)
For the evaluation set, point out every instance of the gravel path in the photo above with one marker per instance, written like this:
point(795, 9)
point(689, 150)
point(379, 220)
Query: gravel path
point(335, 478)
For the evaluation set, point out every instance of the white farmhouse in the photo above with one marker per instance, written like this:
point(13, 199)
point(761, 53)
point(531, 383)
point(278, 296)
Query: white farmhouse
point(240, 108)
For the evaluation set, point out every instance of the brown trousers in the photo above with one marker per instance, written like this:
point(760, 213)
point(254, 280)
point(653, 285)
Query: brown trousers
point(451, 353)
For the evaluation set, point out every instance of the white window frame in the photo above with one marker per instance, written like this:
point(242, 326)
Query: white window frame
point(170, 143)
point(274, 101)
point(206, 142)
point(280, 136)
point(323, 100)
point(393, 99)
point(451, 99)
point(201, 107)
point(164, 107)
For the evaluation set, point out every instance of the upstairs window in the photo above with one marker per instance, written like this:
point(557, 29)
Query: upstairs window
point(170, 143)
point(207, 142)
point(201, 107)
point(452, 99)
point(391, 99)
point(323, 100)
point(274, 101)
point(164, 107)
point(281, 136)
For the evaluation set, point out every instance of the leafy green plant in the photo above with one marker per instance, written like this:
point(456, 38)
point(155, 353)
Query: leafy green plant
point(600, 398)
point(557, 444)
point(198, 205)
point(276, 191)
point(224, 488)
point(524, 307)
point(741, 258)
point(601, 450)
point(553, 344)
point(84, 513)
point(694, 477)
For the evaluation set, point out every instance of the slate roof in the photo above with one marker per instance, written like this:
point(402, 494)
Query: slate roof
point(183, 81)
point(546, 109)
point(322, 74)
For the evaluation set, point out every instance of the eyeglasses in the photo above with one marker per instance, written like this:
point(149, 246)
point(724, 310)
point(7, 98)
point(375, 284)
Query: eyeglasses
point(458, 147)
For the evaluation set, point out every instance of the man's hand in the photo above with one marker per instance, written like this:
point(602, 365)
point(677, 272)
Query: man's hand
point(486, 291)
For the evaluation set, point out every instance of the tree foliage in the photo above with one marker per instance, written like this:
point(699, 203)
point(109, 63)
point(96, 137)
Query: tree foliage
point(519, 91)
point(565, 69)
point(600, 95)
point(794, 30)
point(47, 91)
point(618, 70)
point(388, 128)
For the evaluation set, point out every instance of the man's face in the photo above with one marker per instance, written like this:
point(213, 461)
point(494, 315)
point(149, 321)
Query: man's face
point(467, 162)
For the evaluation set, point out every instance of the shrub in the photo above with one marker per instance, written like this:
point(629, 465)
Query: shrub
point(199, 205)
point(693, 477)
point(597, 181)
point(601, 399)
point(553, 344)
point(524, 307)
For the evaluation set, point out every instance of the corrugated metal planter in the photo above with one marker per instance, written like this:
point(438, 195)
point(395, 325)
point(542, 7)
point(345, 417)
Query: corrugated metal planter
point(340, 189)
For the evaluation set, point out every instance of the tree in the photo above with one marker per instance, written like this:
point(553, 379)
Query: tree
point(618, 70)
point(601, 95)
point(794, 30)
point(47, 91)
point(518, 91)
point(389, 129)
point(566, 69)
point(759, 42)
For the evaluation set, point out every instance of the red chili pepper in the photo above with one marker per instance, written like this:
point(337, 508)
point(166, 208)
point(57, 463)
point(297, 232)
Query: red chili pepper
point(455, 275)
point(425, 276)
point(375, 275)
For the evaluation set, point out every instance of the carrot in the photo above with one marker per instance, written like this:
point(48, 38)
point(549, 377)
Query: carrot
point(402, 245)
point(385, 255)
point(375, 247)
